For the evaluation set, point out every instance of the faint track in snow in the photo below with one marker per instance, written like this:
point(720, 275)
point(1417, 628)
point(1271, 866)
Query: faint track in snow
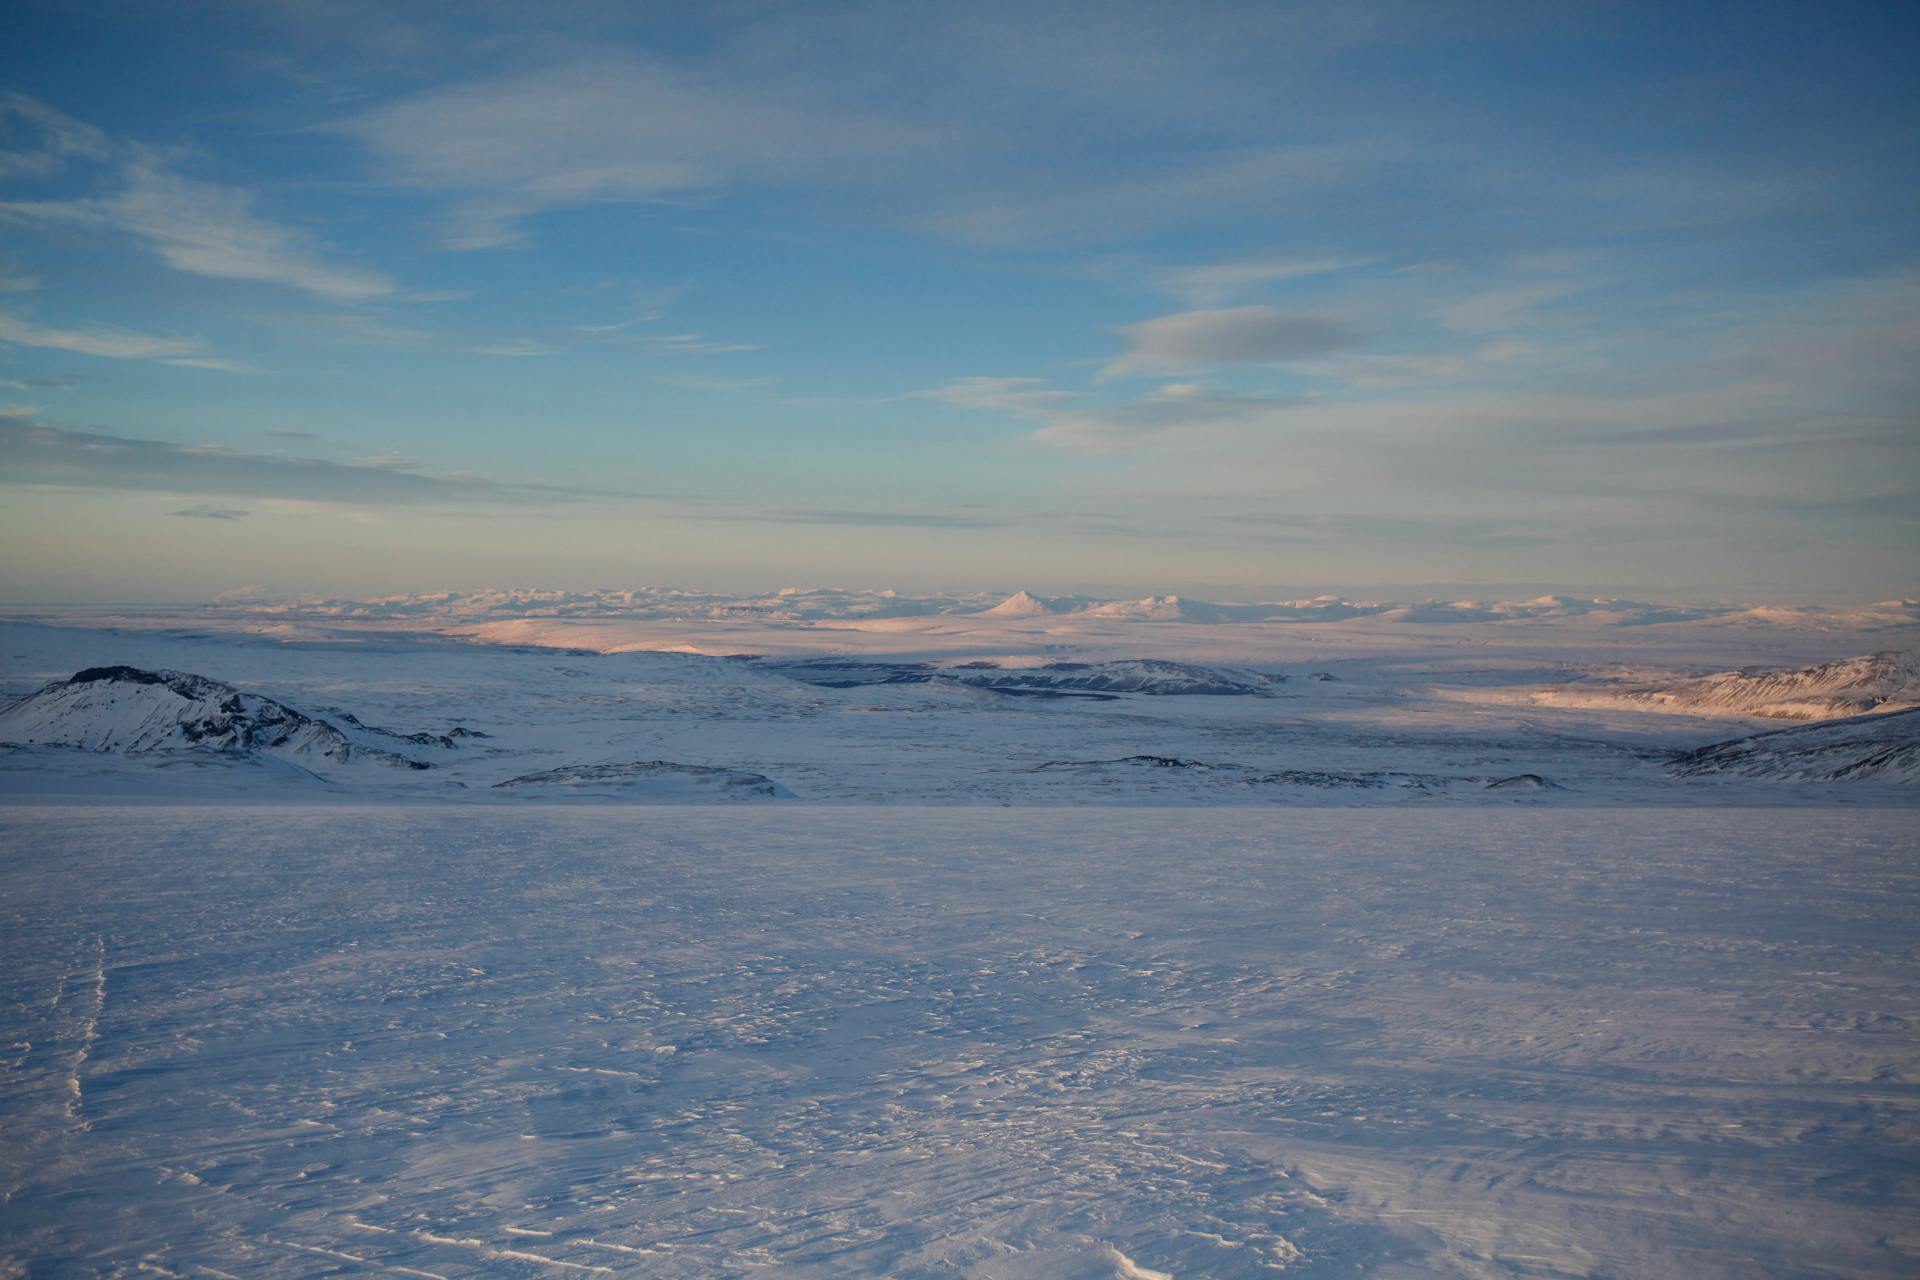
point(356, 1259)
point(485, 1250)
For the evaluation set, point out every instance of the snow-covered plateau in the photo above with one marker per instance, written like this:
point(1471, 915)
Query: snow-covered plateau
point(848, 934)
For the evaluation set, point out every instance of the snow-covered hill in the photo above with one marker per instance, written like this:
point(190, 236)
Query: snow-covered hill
point(1881, 748)
point(1878, 682)
point(128, 710)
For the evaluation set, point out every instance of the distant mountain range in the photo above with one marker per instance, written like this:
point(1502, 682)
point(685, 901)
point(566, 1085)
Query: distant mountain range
point(808, 604)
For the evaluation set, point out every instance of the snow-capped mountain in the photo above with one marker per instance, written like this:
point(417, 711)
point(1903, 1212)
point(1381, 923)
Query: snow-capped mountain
point(1024, 604)
point(1879, 748)
point(128, 710)
point(1878, 682)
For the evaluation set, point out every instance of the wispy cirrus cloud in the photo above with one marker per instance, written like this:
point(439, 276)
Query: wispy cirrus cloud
point(204, 229)
point(1501, 308)
point(1011, 206)
point(515, 349)
point(109, 343)
point(1026, 396)
point(620, 129)
point(1209, 284)
point(695, 344)
point(1078, 423)
point(40, 140)
point(360, 329)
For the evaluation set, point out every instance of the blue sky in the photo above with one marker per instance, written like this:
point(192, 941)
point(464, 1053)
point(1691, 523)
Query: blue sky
point(1225, 299)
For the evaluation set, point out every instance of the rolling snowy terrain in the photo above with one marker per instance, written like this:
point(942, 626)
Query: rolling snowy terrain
point(873, 698)
point(830, 934)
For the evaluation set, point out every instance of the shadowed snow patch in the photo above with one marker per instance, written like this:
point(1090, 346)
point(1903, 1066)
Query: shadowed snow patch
point(658, 781)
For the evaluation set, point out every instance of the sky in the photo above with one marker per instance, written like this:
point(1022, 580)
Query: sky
point(1236, 300)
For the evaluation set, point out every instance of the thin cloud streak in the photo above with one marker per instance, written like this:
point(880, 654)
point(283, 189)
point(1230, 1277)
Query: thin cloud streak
point(877, 519)
point(111, 344)
point(37, 456)
point(1213, 283)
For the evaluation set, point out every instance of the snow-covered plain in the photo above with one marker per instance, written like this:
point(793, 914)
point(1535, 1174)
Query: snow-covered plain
point(836, 934)
point(441, 1040)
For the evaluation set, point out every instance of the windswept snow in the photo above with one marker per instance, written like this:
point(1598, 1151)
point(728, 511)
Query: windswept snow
point(447, 1041)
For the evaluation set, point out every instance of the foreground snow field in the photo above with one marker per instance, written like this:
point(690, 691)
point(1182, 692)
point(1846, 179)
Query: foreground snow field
point(448, 1040)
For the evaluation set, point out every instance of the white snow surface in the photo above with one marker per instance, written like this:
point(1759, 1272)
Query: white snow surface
point(1063, 944)
point(436, 1040)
